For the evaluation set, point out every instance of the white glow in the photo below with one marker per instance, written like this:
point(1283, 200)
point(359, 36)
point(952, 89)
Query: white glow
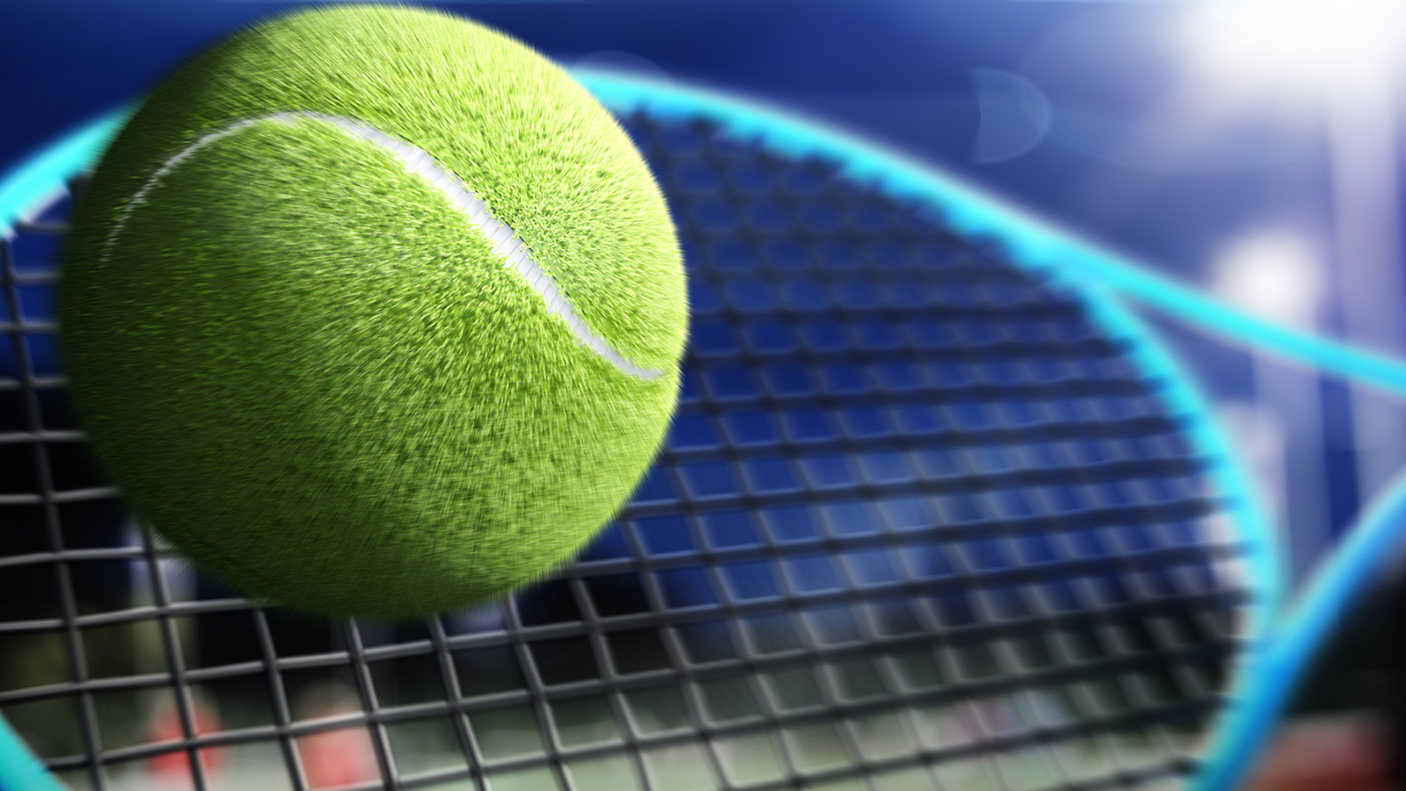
point(1274, 275)
point(1293, 49)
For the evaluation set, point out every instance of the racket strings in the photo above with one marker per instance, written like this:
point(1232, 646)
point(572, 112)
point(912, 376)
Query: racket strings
point(917, 525)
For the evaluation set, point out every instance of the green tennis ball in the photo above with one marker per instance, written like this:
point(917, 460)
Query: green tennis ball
point(373, 311)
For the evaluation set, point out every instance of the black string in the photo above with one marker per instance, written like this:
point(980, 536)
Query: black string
point(905, 473)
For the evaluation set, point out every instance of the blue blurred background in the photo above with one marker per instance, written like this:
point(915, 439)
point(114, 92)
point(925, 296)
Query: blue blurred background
point(1248, 148)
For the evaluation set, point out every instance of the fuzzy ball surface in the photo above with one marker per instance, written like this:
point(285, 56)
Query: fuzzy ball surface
point(373, 311)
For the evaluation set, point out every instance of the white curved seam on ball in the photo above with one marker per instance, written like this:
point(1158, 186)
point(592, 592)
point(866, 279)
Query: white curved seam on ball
point(139, 197)
point(504, 240)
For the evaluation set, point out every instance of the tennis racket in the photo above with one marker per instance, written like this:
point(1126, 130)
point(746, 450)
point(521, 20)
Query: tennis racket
point(937, 511)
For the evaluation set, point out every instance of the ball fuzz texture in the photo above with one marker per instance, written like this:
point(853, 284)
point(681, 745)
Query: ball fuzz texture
point(373, 311)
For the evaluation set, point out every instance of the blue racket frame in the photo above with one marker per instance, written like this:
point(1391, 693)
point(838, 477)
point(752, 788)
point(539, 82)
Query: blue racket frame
point(1276, 651)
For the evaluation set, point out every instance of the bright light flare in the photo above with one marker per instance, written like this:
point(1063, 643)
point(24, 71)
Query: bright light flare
point(1293, 50)
point(1274, 275)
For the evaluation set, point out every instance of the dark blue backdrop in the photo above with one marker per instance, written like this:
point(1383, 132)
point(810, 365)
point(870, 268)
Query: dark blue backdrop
point(899, 70)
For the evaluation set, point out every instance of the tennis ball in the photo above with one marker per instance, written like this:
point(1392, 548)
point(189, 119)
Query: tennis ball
point(373, 311)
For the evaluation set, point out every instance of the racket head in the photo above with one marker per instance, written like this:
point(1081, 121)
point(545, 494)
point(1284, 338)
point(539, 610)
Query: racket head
point(1234, 543)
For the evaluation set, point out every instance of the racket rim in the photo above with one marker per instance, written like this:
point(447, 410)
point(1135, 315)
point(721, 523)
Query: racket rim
point(28, 189)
